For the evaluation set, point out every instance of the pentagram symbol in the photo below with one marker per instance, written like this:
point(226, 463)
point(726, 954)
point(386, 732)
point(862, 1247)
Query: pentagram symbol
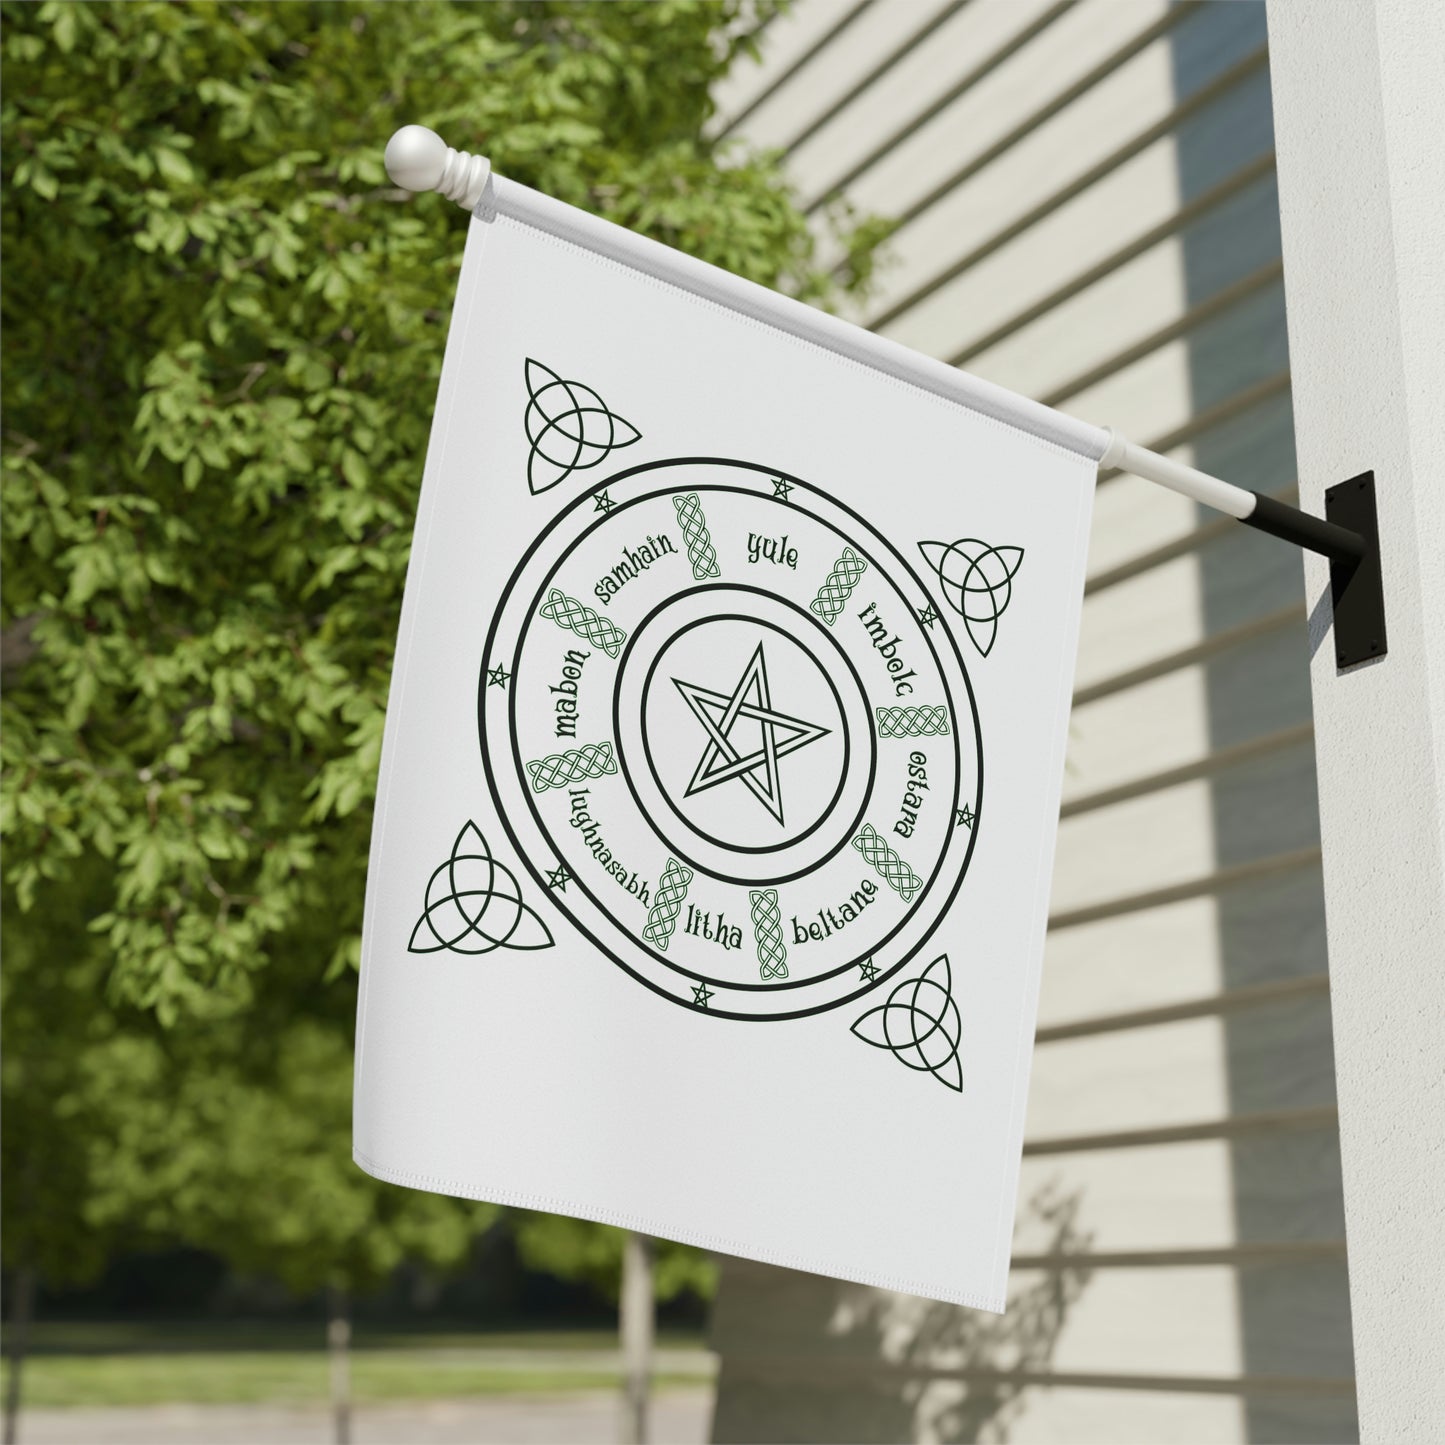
point(920, 1025)
point(474, 905)
point(736, 759)
point(569, 426)
point(977, 582)
point(735, 770)
point(963, 817)
point(497, 676)
point(719, 713)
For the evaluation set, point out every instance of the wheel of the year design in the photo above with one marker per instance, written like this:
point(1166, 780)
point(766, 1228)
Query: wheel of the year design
point(730, 738)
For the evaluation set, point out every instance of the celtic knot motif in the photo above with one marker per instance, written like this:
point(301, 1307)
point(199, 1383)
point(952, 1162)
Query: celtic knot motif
point(473, 905)
point(700, 550)
point(919, 1024)
point(838, 585)
point(577, 617)
point(662, 916)
point(895, 872)
point(569, 426)
point(977, 582)
point(912, 722)
point(768, 931)
point(591, 760)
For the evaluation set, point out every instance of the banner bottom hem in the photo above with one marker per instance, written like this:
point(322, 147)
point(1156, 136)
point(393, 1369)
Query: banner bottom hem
point(461, 1189)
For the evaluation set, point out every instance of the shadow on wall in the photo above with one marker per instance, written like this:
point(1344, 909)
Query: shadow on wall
point(1294, 1313)
point(881, 1367)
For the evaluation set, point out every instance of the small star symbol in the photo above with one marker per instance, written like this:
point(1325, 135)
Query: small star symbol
point(964, 818)
point(701, 994)
point(928, 616)
point(781, 489)
point(604, 502)
point(497, 676)
point(869, 970)
point(559, 878)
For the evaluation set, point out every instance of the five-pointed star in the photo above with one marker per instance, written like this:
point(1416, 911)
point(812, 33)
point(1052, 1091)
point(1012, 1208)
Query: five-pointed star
point(964, 817)
point(559, 878)
point(869, 970)
point(497, 676)
point(718, 712)
point(701, 994)
point(604, 503)
point(781, 489)
point(928, 616)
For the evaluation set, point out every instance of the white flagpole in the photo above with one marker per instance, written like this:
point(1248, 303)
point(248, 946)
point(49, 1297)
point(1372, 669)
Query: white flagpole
point(417, 159)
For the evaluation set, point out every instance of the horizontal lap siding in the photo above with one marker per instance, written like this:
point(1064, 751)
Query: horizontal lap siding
point(1092, 219)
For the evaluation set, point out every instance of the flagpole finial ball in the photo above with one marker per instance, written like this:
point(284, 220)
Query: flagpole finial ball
point(418, 159)
point(415, 158)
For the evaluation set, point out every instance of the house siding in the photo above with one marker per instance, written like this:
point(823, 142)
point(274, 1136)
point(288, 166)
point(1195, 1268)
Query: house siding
point(1092, 220)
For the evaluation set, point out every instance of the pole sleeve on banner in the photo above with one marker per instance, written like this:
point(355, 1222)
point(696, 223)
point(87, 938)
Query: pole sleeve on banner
point(418, 159)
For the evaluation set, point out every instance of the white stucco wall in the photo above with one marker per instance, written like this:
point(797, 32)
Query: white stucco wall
point(1359, 92)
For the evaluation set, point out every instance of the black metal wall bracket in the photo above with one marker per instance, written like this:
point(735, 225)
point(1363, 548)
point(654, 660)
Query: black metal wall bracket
point(1349, 535)
point(1357, 589)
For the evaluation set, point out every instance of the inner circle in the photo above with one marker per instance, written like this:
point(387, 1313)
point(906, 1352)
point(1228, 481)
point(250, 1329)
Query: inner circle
point(744, 732)
point(706, 638)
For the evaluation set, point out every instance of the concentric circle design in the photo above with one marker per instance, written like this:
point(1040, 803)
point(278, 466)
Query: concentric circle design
point(728, 747)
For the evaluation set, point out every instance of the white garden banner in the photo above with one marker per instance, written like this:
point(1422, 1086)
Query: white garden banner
point(721, 777)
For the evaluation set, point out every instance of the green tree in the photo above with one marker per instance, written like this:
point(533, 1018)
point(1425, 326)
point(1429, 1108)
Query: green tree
point(231, 1135)
point(242, 1147)
point(223, 329)
point(49, 990)
point(577, 1249)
